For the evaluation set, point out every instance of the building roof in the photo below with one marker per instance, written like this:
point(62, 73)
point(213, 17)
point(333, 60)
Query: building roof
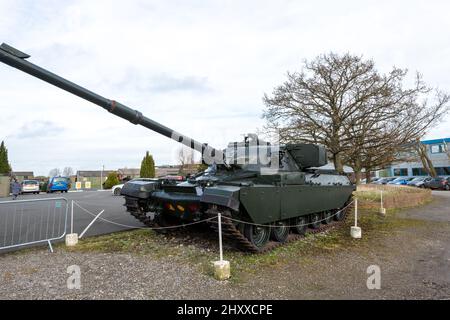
point(93, 173)
point(434, 141)
point(22, 173)
point(129, 171)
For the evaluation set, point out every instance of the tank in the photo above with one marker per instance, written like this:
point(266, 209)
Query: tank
point(266, 194)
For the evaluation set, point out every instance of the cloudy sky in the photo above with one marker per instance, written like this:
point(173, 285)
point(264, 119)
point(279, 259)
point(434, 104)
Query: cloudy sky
point(200, 67)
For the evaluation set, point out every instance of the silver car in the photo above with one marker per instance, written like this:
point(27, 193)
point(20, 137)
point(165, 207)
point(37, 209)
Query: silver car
point(30, 186)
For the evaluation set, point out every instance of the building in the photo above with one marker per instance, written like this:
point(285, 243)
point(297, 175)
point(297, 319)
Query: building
point(128, 173)
point(438, 151)
point(22, 175)
point(161, 171)
point(93, 176)
point(174, 170)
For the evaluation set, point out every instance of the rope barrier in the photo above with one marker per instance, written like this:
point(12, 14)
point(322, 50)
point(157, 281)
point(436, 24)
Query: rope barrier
point(208, 219)
point(137, 227)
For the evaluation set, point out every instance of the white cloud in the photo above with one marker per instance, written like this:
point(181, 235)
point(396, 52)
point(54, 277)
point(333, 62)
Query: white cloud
point(198, 67)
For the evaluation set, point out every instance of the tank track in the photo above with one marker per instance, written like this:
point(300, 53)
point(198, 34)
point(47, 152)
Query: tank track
point(232, 233)
point(229, 229)
point(136, 211)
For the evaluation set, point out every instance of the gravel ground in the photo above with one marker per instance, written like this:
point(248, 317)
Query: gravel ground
point(415, 264)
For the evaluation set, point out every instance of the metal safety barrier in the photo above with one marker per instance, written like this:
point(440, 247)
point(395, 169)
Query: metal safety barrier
point(28, 222)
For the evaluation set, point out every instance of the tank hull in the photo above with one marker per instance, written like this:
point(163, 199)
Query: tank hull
point(268, 204)
point(244, 204)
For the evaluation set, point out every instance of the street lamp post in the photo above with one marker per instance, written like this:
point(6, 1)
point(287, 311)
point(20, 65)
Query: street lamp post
point(101, 177)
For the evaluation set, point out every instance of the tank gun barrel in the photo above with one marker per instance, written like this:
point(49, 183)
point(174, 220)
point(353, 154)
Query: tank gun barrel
point(17, 59)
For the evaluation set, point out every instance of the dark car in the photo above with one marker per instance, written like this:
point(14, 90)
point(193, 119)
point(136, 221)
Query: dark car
point(418, 181)
point(438, 183)
point(384, 180)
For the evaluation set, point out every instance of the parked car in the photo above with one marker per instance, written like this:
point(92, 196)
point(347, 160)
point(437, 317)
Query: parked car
point(384, 180)
point(30, 186)
point(419, 182)
point(116, 189)
point(401, 181)
point(61, 184)
point(439, 183)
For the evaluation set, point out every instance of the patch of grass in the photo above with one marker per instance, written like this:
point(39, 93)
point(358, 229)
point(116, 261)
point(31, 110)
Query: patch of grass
point(137, 242)
point(146, 243)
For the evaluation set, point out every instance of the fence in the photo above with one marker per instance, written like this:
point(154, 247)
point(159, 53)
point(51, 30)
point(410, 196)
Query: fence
point(28, 222)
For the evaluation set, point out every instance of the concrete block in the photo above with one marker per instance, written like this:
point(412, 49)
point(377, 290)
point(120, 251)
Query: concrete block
point(222, 270)
point(355, 232)
point(71, 239)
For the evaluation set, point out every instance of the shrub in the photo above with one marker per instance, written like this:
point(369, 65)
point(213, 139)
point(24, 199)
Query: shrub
point(111, 180)
point(147, 166)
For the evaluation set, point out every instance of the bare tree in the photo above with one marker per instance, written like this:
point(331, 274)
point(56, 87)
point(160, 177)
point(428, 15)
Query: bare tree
point(185, 159)
point(427, 164)
point(68, 171)
point(394, 133)
point(364, 118)
point(447, 149)
point(185, 156)
point(54, 172)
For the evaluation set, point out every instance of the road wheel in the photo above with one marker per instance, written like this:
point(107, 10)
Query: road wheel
point(328, 217)
point(339, 215)
point(315, 220)
point(162, 221)
point(117, 191)
point(447, 187)
point(300, 225)
point(280, 231)
point(257, 235)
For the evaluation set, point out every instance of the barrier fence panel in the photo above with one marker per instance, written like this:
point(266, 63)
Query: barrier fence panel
point(27, 222)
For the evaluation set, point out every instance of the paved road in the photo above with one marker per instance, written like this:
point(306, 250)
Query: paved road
point(437, 210)
point(14, 217)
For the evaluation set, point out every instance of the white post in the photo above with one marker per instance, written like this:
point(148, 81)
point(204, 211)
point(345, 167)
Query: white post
point(71, 219)
point(101, 177)
point(382, 209)
point(355, 231)
point(219, 216)
point(221, 267)
point(381, 198)
point(71, 238)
